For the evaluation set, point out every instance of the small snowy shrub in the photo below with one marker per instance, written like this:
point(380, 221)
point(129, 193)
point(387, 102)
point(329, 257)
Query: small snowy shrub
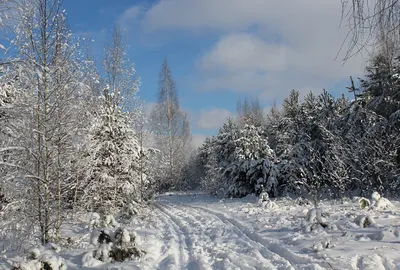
point(301, 201)
point(94, 221)
point(364, 203)
point(263, 197)
point(364, 221)
point(125, 246)
point(109, 221)
point(268, 205)
point(265, 202)
point(375, 197)
point(317, 218)
point(43, 258)
point(118, 245)
point(128, 211)
point(379, 203)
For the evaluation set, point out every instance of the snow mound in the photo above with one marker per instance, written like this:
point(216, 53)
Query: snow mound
point(372, 262)
point(388, 234)
point(320, 246)
point(89, 261)
point(383, 204)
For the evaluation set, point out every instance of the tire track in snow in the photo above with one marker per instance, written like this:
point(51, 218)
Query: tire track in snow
point(277, 261)
point(269, 246)
point(374, 262)
point(192, 262)
point(252, 258)
point(172, 259)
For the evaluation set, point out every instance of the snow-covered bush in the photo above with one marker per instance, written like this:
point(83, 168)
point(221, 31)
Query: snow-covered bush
point(94, 221)
point(320, 246)
point(263, 197)
point(128, 211)
point(269, 205)
point(317, 218)
point(118, 245)
point(265, 202)
point(302, 201)
point(109, 221)
point(375, 197)
point(364, 203)
point(43, 258)
point(364, 221)
point(103, 220)
point(383, 203)
point(379, 203)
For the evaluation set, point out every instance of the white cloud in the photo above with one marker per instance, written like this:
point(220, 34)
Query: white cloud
point(213, 118)
point(129, 16)
point(241, 52)
point(208, 14)
point(292, 44)
point(198, 139)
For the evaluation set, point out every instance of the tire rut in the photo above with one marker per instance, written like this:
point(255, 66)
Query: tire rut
point(292, 260)
point(183, 256)
point(194, 261)
point(257, 260)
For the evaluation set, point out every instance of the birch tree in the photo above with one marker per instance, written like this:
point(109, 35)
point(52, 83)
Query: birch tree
point(171, 128)
point(50, 78)
point(376, 22)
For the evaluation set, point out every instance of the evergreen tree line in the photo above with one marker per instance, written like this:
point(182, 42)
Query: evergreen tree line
point(317, 147)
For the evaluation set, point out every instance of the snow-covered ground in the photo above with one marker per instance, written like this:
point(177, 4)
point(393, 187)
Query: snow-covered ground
point(193, 231)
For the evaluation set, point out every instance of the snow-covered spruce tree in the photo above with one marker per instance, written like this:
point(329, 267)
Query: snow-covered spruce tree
point(114, 152)
point(80, 164)
point(224, 143)
point(283, 130)
point(380, 91)
point(210, 171)
point(216, 154)
point(243, 160)
point(370, 129)
point(381, 85)
point(254, 169)
point(312, 155)
point(192, 172)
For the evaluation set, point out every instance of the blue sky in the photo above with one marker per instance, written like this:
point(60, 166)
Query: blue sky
point(221, 50)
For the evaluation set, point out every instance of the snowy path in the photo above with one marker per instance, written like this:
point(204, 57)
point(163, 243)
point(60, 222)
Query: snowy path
point(196, 237)
point(197, 231)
